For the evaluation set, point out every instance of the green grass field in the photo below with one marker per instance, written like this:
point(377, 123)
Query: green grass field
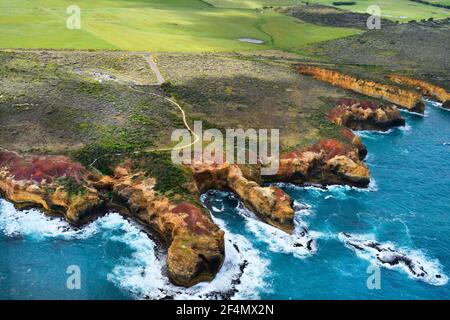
point(446, 2)
point(176, 25)
point(402, 10)
point(152, 25)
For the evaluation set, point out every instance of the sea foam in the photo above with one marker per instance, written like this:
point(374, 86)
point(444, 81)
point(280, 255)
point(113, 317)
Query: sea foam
point(301, 243)
point(414, 263)
point(241, 276)
point(143, 273)
point(34, 224)
point(336, 191)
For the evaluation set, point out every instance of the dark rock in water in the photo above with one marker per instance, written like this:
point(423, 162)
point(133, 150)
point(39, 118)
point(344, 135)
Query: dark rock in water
point(390, 257)
point(446, 104)
point(309, 245)
point(300, 206)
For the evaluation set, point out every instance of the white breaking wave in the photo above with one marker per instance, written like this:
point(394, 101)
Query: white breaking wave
point(405, 128)
point(301, 243)
point(414, 113)
point(215, 209)
point(241, 276)
point(436, 104)
point(372, 134)
point(302, 209)
point(413, 262)
point(33, 223)
point(336, 191)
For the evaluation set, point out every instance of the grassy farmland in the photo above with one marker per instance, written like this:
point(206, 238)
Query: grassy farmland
point(402, 10)
point(399, 10)
point(153, 25)
point(177, 25)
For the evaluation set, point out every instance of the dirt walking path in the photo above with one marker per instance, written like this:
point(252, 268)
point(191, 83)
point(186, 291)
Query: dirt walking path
point(159, 77)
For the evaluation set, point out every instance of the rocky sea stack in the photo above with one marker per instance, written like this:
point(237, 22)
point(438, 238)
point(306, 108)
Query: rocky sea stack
point(327, 162)
point(365, 115)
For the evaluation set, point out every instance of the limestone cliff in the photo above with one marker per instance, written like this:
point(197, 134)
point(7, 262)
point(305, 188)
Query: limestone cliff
point(425, 88)
point(196, 245)
point(62, 187)
point(55, 184)
point(327, 162)
point(365, 115)
point(271, 204)
point(409, 100)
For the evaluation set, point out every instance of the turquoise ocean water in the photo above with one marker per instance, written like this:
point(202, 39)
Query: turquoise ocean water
point(406, 209)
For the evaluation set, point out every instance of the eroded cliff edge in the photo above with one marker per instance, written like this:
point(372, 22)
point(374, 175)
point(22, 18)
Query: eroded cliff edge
point(365, 115)
point(408, 100)
point(327, 162)
point(427, 89)
point(195, 244)
point(62, 187)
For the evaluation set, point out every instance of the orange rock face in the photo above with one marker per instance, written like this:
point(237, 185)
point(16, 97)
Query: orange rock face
point(196, 245)
point(365, 115)
point(426, 88)
point(327, 162)
point(54, 183)
point(271, 204)
point(60, 186)
point(409, 100)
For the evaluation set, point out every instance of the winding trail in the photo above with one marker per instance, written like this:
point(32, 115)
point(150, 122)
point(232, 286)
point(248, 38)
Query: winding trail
point(161, 80)
point(183, 115)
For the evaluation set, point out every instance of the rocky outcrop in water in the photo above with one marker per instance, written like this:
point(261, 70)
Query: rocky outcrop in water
point(365, 115)
point(427, 89)
point(271, 204)
point(327, 162)
point(408, 100)
point(388, 256)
